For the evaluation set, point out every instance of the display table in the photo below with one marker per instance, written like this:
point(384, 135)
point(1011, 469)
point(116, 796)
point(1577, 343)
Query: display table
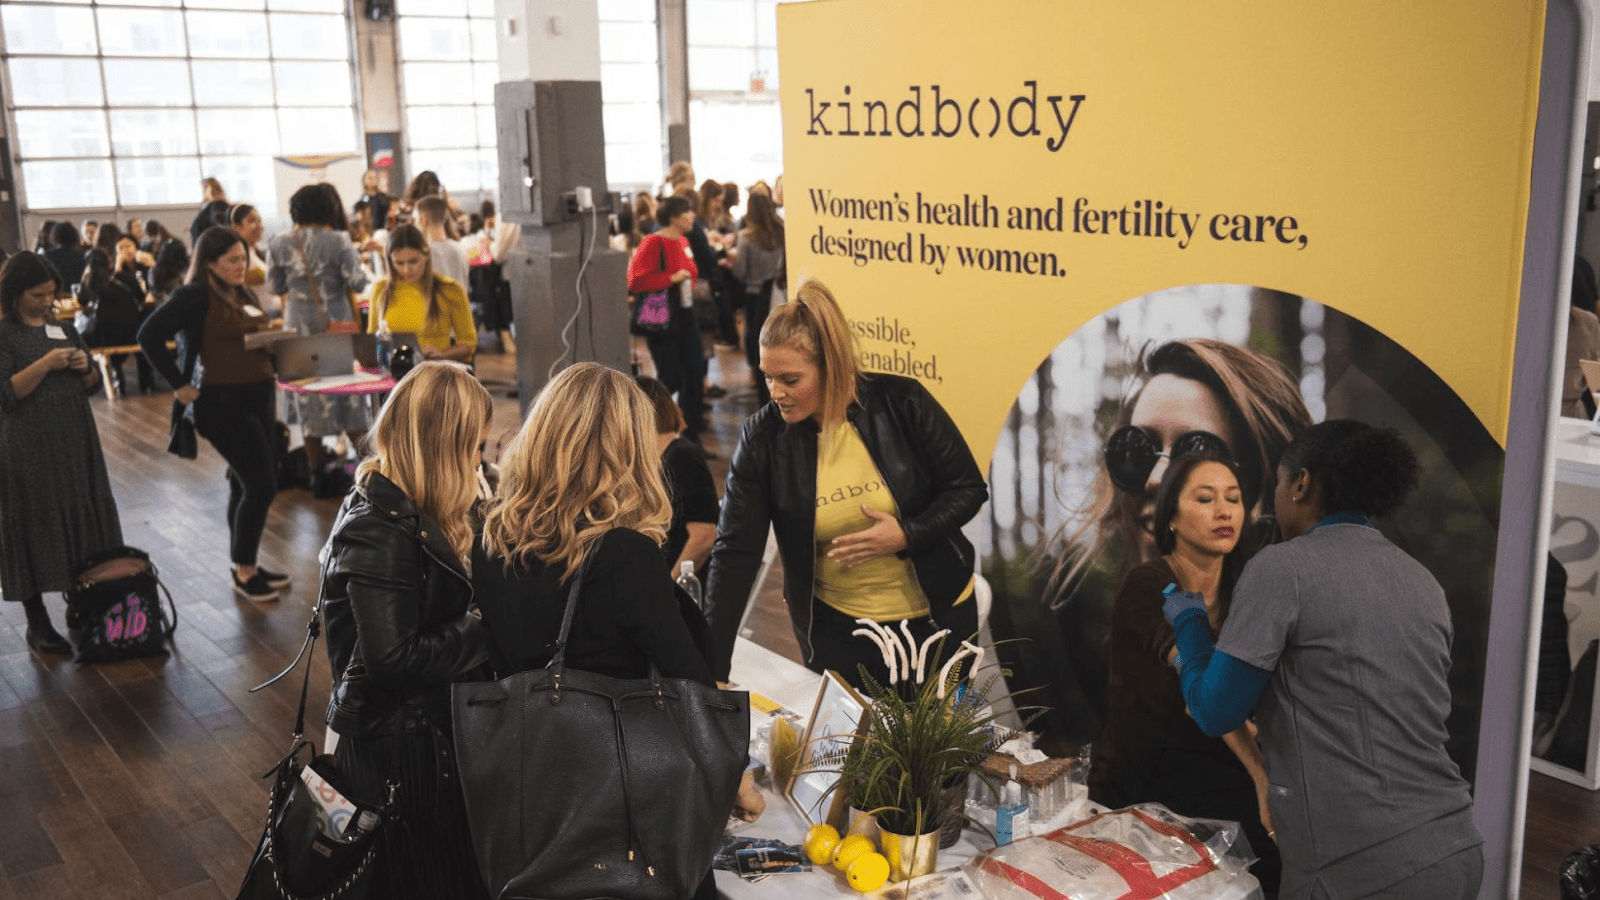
point(758, 669)
point(357, 384)
point(1577, 453)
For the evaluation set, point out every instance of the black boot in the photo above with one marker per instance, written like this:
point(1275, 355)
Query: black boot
point(42, 636)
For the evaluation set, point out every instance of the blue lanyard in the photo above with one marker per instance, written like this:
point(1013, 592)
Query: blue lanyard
point(1343, 518)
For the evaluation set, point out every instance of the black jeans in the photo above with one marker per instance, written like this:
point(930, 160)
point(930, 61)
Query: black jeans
point(680, 365)
point(756, 307)
point(238, 420)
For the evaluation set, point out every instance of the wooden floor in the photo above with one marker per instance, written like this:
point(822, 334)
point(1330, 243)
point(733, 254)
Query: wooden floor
point(142, 779)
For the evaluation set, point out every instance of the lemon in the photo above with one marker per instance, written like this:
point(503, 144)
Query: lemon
point(820, 842)
point(851, 847)
point(868, 872)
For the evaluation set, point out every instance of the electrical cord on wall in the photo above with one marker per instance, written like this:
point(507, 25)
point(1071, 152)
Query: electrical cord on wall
point(579, 291)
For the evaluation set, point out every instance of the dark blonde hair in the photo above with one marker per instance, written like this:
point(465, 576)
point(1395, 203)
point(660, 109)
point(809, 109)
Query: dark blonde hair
point(669, 418)
point(812, 322)
point(583, 463)
point(426, 441)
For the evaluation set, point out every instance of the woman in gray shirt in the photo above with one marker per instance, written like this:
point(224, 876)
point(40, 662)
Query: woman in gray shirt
point(1344, 640)
point(758, 265)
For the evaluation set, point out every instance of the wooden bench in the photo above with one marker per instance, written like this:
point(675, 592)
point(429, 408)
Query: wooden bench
point(102, 358)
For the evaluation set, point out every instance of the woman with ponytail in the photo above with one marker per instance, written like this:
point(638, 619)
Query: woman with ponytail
point(1340, 644)
point(867, 482)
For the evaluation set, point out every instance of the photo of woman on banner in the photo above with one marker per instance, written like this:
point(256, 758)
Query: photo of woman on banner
point(1095, 429)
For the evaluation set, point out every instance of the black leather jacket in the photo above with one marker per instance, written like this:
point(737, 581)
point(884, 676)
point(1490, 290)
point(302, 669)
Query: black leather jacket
point(394, 607)
point(924, 462)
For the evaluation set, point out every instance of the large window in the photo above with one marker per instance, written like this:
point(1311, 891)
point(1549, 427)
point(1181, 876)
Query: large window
point(450, 64)
point(130, 102)
point(630, 84)
point(448, 71)
point(735, 129)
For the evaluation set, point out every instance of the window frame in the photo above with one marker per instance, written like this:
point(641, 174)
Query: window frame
point(105, 108)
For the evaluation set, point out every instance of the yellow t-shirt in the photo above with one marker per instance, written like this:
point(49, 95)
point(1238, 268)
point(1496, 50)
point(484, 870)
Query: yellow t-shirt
point(408, 312)
point(883, 589)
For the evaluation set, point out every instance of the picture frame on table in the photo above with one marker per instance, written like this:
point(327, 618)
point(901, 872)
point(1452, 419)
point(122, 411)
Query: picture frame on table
point(832, 729)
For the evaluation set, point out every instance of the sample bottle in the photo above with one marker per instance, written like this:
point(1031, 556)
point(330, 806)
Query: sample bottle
point(690, 584)
point(1011, 819)
point(364, 824)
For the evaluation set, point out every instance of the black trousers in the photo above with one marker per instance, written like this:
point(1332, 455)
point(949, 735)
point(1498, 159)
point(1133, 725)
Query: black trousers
point(756, 307)
point(680, 364)
point(237, 419)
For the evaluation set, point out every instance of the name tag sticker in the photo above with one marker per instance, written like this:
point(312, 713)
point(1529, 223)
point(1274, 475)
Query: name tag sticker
point(54, 333)
point(253, 311)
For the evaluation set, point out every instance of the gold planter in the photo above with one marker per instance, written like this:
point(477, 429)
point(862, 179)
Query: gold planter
point(909, 855)
point(864, 823)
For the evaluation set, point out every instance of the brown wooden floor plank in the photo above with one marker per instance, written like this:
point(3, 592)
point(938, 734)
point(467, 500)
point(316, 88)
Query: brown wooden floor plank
point(220, 849)
point(99, 772)
point(158, 850)
point(205, 890)
point(32, 779)
point(96, 864)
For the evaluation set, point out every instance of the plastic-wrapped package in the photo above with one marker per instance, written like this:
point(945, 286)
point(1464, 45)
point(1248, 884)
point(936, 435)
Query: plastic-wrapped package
point(1580, 874)
point(1140, 853)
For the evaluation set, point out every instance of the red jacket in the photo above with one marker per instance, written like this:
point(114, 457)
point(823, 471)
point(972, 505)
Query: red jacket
point(646, 273)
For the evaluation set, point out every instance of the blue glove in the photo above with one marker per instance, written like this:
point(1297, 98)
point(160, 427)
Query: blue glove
point(1179, 602)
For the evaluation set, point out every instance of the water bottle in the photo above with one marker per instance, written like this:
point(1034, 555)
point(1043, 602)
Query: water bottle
point(402, 359)
point(364, 824)
point(690, 584)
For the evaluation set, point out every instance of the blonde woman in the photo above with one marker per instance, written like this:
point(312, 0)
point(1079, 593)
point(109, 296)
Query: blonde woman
point(866, 481)
point(394, 603)
point(583, 480)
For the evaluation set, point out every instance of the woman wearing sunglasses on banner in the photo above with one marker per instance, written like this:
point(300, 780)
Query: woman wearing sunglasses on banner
point(1152, 752)
point(866, 481)
point(1197, 394)
point(1340, 643)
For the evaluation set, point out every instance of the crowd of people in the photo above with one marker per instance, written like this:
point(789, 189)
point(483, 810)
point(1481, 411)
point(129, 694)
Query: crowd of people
point(1274, 659)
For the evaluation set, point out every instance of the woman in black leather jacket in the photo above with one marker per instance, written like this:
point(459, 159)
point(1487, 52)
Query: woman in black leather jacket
point(866, 481)
point(394, 603)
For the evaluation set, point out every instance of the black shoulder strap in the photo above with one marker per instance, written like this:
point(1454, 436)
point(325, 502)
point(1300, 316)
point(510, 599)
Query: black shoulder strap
point(313, 629)
point(560, 659)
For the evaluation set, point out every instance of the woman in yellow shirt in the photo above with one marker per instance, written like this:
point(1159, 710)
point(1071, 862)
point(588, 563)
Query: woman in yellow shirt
point(416, 299)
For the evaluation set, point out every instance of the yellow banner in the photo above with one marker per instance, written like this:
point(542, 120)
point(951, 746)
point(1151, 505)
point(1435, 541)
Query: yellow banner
point(978, 182)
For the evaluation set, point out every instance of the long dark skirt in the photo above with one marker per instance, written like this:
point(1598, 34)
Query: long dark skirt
point(427, 850)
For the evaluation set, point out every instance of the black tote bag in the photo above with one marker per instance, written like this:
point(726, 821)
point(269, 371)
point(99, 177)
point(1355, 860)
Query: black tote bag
point(579, 785)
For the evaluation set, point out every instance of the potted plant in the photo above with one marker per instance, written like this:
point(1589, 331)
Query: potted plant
point(919, 740)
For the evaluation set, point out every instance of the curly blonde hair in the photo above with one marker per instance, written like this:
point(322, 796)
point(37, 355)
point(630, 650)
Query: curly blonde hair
point(583, 463)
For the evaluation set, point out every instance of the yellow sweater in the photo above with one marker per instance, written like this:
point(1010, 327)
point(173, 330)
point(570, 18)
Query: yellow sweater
point(408, 312)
